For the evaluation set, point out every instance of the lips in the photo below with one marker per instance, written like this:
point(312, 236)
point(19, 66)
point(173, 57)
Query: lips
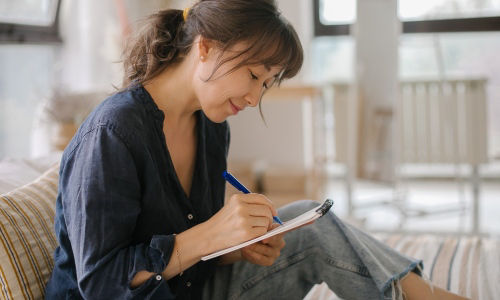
point(235, 108)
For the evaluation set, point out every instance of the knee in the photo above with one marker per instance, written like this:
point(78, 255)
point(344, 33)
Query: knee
point(306, 204)
point(296, 208)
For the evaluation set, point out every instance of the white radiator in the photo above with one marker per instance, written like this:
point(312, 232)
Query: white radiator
point(443, 122)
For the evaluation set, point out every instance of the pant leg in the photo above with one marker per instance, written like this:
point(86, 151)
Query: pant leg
point(353, 264)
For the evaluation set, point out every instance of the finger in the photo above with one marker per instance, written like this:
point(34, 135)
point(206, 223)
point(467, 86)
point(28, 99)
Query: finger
point(271, 227)
point(259, 199)
point(259, 222)
point(275, 241)
point(259, 210)
point(258, 258)
point(256, 231)
point(265, 250)
point(274, 225)
point(279, 243)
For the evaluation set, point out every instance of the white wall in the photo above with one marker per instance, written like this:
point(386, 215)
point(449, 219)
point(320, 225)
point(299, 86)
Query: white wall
point(286, 140)
point(280, 143)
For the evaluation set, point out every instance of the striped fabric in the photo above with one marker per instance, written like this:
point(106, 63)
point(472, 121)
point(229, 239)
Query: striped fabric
point(27, 239)
point(469, 266)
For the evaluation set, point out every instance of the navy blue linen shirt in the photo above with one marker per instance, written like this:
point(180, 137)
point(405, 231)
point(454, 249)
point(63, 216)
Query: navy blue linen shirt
point(120, 203)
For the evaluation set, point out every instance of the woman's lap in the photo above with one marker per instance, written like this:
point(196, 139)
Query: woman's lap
point(354, 265)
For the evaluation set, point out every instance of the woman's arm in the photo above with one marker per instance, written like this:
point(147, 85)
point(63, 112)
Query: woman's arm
point(244, 217)
point(189, 247)
point(100, 194)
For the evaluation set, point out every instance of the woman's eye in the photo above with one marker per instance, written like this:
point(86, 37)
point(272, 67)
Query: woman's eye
point(269, 83)
point(266, 85)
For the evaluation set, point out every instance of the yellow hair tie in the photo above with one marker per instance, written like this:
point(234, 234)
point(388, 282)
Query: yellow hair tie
point(185, 13)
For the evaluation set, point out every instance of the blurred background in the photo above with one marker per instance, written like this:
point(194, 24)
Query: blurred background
point(393, 116)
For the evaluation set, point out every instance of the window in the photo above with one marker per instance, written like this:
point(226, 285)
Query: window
point(333, 17)
point(449, 39)
point(28, 53)
point(31, 21)
point(446, 9)
point(337, 11)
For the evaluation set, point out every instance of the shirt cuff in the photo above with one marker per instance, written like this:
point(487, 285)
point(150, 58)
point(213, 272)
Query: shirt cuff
point(154, 288)
point(164, 246)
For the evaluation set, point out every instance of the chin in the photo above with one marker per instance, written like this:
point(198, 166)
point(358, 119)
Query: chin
point(216, 118)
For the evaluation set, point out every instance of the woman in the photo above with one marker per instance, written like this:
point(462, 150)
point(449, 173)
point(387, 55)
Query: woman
point(141, 196)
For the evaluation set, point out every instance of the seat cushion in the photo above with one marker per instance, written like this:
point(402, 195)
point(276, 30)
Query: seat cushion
point(467, 265)
point(27, 239)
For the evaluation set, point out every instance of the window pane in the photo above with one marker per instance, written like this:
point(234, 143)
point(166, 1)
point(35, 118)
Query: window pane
point(446, 9)
point(337, 11)
point(26, 77)
point(30, 12)
point(344, 11)
point(332, 59)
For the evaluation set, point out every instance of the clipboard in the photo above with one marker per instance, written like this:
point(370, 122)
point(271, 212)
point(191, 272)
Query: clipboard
point(302, 219)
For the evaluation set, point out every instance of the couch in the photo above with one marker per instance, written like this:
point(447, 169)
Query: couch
point(468, 265)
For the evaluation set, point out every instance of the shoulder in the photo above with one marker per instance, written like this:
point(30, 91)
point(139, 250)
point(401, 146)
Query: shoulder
point(124, 115)
point(124, 111)
point(127, 112)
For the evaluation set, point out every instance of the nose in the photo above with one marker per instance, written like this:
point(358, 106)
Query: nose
point(253, 97)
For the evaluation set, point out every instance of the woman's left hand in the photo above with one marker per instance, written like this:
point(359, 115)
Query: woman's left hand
point(265, 252)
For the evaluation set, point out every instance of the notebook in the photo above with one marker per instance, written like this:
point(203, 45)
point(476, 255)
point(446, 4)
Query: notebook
point(302, 219)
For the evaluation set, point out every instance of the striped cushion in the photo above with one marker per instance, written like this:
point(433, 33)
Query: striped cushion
point(467, 265)
point(27, 239)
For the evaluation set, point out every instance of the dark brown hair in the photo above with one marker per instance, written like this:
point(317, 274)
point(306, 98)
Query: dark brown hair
point(166, 38)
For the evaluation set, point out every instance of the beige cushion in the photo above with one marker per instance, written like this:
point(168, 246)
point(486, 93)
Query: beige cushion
point(27, 239)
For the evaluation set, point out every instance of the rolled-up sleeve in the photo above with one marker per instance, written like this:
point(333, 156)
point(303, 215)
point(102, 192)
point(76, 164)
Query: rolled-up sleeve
point(101, 198)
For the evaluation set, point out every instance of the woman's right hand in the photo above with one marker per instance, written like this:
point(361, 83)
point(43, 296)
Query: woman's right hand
point(243, 217)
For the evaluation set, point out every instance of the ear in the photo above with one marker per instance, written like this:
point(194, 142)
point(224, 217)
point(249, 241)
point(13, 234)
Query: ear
point(206, 47)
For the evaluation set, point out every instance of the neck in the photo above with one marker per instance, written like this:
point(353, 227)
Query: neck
point(172, 92)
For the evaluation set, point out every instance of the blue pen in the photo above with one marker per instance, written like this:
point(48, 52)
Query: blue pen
point(234, 182)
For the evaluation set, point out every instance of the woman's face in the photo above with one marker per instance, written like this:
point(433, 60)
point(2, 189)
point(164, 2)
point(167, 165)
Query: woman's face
point(225, 94)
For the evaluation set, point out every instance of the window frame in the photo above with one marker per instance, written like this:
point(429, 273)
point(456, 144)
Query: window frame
point(421, 26)
point(15, 33)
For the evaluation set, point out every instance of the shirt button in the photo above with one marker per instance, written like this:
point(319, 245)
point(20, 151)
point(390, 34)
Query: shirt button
point(190, 217)
point(188, 284)
point(158, 277)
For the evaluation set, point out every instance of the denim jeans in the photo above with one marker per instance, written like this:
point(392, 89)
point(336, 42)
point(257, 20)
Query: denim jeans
point(352, 263)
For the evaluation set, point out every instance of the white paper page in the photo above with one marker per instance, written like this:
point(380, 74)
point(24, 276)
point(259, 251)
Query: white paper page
point(304, 218)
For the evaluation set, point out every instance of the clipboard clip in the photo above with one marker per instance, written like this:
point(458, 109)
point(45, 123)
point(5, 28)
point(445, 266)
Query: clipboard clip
point(325, 207)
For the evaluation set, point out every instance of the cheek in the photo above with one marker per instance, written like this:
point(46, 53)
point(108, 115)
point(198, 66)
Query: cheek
point(216, 92)
point(213, 101)
point(211, 94)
